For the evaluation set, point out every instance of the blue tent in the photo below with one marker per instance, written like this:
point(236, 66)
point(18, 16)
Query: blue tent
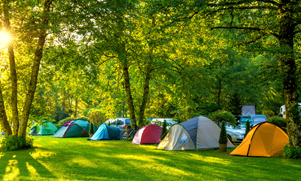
point(105, 132)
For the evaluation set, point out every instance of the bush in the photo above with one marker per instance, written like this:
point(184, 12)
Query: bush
point(164, 129)
point(279, 121)
point(11, 142)
point(97, 116)
point(223, 135)
point(63, 121)
point(291, 152)
point(247, 127)
point(91, 130)
point(219, 116)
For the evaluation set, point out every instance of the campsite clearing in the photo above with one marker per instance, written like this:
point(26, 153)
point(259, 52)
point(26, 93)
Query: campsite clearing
point(79, 159)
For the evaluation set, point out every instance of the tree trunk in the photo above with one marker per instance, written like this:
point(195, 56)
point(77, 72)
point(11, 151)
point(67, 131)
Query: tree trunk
point(13, 72)
point(219, 91)
point(3, 118)
point(145, 95)
point(288, 65)
point(35, 70)
point(127, 85)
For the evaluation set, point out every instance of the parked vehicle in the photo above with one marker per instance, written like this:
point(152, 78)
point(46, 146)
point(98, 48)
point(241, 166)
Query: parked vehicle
point(235, 133)
point(119, 122)
point(282, 112)
point(258, 118)
point(160, 121)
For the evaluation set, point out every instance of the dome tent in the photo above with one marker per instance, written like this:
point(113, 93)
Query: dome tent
point(75, 128)
point(149, 134)
point(198, 133)
point(105, 132)
point(265, 139)
point(46, 128)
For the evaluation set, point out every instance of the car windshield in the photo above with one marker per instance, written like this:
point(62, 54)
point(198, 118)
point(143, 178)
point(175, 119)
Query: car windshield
point(257, 120)
point(119, 122)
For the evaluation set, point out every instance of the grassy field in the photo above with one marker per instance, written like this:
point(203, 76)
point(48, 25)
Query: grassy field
point(79, 159)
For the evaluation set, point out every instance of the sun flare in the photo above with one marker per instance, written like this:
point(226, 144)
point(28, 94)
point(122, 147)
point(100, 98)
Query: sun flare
point(4, 38)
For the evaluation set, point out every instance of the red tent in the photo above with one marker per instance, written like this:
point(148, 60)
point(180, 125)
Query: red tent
point(149, 134)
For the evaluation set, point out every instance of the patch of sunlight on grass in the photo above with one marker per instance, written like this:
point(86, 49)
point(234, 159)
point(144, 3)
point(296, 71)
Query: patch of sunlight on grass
point(210, 159)
point(83, 162)
point(140, 158)
point(32, 170)
point(1, 155)
point(12, 171)
point(41, 154)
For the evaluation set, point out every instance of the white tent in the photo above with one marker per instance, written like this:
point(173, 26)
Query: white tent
point(198, 133)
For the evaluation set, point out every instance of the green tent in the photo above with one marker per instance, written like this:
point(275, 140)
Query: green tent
point(76, 128)
point(47, 128)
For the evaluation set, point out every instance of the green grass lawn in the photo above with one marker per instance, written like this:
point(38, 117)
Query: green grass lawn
point(79, 159)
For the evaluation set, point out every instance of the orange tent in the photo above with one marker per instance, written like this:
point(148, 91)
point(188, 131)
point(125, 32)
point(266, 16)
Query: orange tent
point(265, 139)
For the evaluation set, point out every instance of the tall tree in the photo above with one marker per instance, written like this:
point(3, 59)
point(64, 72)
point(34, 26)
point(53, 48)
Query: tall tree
point(12, 11)
point(256, 20)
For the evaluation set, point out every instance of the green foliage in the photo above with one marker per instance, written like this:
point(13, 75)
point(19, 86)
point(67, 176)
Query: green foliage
point(63, 121)
point(91, 130)
point(11, 143)
point(291, 152)
point(223, 135)
point(279, 121)
point(248, 127)
point(97, 116)
point(220, 116)
point(164, 130)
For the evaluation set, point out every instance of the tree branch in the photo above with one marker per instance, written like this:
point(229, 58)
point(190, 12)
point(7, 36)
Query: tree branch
point(245, 28)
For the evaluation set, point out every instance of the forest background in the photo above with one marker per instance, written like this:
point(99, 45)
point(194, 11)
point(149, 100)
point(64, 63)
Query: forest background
point(143, 59)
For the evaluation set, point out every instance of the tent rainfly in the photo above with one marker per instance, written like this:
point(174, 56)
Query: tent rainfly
point(198, 133)
point(76, 128)
point(265, 139)
point(149, 134)
point(105, 132)
point(47, 128)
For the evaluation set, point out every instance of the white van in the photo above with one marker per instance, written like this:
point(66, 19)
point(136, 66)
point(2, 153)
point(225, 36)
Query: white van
point(283, 110)
point(160, 121)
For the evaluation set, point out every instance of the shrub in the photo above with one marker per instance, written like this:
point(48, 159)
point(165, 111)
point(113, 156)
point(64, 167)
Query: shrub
point(247, 127)
point(291, 152)
point(91, 130)
point(223, 135)
point(10, 143)
point(63, 121)
point(97, 116)
point(164, 129)
point(219, 116)
point(279, 121)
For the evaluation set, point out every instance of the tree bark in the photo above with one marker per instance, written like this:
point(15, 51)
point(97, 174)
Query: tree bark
point(13, 72)
point(288, 64)
point(145, 95)
point(127, 85)
point(3, 118)
point(35, 70)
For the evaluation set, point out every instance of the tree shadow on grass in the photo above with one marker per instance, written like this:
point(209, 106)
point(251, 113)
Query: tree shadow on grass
point(20, 165)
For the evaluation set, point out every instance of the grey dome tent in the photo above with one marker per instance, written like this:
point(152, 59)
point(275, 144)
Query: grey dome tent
point(198, 133)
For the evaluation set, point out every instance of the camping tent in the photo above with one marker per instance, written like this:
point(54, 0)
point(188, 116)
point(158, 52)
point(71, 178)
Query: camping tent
point(149, 134)
point(198, 133)
point(264, 139)
point(105, 132)
point(76, 128)
point(47, 128)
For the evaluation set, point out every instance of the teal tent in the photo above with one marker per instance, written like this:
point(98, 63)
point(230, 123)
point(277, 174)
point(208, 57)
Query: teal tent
point(75, 128)
point(105, 132)
point(47, 128)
